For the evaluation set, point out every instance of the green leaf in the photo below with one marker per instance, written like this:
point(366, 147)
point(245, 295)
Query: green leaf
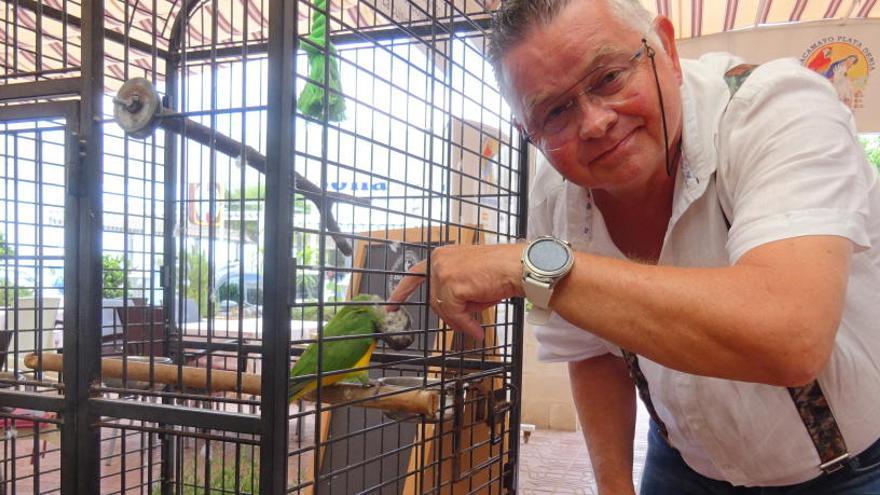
point(871, 143)
point(113, 276)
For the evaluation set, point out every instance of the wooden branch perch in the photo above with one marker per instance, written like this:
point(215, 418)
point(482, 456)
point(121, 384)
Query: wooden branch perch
point(385, 397)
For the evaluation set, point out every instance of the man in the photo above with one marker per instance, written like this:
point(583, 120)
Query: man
point(725, 237)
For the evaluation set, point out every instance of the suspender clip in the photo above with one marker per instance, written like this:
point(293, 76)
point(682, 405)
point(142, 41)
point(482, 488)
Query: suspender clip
point(834, 464)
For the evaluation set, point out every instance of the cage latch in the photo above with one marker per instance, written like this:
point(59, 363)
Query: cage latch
point(458, 402)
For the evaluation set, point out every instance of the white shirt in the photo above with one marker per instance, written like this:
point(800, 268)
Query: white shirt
point(784, 161)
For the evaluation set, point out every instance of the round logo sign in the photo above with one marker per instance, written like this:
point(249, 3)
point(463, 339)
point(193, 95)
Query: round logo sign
point(846, 63)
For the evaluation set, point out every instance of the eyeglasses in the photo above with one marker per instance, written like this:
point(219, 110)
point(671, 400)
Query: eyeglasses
point(603, 85)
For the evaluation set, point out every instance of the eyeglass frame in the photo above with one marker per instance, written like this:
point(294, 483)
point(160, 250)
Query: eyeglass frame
point(645, 48)
point(569, 105)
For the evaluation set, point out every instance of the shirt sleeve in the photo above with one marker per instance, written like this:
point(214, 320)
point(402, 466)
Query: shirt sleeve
point(794, 166)
point(558, 340)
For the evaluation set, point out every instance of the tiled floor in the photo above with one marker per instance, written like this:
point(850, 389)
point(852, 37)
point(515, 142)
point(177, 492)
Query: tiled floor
point(556, 462)
point(552, 462)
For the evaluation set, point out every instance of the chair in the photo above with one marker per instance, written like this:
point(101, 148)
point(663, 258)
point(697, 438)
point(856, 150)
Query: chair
point(140, 335)
point(24, 323)
point(141, 331)
point(109, 312)
point(25, 419)
point(47, 431)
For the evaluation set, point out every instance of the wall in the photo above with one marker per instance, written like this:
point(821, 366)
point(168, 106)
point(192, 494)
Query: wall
point(547, 402)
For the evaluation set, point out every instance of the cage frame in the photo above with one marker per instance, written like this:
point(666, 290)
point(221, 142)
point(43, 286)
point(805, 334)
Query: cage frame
point(80, 407)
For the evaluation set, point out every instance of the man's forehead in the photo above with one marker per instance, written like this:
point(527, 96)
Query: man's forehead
point(576, 68)
point(554, 55)
point(586, 64)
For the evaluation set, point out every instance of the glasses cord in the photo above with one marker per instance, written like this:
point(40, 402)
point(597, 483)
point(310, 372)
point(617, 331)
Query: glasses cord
point(650, 52)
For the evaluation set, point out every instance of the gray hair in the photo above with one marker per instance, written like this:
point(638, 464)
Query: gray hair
point(516, 18)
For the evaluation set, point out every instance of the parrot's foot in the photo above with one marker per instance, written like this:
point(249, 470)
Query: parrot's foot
point(361, 378)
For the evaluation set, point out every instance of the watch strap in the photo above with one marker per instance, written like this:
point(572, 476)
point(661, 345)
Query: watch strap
point(538, 316)
point(537, 291)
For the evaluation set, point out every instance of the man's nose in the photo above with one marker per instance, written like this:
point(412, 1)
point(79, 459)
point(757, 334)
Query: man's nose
point(594, 117)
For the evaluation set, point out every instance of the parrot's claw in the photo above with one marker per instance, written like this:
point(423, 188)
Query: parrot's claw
point(361, 378)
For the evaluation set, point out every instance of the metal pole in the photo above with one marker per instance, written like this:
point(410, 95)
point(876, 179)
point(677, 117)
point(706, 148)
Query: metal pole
point(83, 224)
point(278, 242)
point(512, 465)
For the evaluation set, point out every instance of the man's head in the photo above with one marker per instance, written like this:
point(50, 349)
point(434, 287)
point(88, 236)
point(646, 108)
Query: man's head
point(517, 17)
point(554, 57)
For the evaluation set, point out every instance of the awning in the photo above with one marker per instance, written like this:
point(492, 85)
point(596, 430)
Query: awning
point(701, 17)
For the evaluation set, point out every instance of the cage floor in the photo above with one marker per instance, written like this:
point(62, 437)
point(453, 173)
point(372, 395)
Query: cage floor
point(125, 464)
point(557, 462)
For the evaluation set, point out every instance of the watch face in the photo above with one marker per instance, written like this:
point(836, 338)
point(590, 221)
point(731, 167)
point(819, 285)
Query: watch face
point(548, 255)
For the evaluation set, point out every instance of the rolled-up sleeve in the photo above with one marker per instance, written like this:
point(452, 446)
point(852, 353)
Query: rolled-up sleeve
point(793, 166)
point(558, 340)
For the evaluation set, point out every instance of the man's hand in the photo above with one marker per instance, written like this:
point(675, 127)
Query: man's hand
point(465, 280)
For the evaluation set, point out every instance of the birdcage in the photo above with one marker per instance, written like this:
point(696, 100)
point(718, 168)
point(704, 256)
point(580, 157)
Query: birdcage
point(191, 191)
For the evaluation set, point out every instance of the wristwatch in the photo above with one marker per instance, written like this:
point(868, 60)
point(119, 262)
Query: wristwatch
point(545, 261)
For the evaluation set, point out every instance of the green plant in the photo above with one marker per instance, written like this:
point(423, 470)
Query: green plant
point(5, 250)
point(872, 148)
point(197, 280)
point(8, 293)
point(228, 292)
point(223, 477)
point(254, 199)
point(310, 313)
point(113, 276)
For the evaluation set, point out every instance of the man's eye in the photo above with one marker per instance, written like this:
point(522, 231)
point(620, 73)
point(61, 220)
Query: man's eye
point(554, 114)
point(608, 82)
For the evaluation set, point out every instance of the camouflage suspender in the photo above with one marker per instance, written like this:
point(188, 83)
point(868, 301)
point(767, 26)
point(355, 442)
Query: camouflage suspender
point(810, 402)
point(635, 372)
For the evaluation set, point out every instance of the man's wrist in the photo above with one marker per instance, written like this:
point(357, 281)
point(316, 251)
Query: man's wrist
point(617, 487)
point(618, 490)
point(513, 273)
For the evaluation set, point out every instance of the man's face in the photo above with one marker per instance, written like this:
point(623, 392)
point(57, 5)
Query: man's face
point(616, 143)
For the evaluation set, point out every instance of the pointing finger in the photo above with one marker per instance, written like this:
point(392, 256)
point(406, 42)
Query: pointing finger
point(407, 286)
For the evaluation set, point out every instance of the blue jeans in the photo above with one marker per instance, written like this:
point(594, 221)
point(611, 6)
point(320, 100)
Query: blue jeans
point(667, 474)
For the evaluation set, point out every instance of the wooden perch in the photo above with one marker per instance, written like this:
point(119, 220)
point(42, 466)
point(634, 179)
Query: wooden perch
point(393, 398)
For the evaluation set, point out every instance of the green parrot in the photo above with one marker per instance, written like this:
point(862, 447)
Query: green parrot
point(368, 320)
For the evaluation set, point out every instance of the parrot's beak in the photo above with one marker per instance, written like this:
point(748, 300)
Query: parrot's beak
point(395, 332)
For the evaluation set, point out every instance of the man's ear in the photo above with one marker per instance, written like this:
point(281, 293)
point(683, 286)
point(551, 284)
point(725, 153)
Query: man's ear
point(666, 32)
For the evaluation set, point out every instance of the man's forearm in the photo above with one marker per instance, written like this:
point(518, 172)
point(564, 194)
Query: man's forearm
point(757, 321)
point(605, 399)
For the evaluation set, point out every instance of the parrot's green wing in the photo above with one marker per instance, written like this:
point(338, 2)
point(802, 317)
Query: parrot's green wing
point(337, 354)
